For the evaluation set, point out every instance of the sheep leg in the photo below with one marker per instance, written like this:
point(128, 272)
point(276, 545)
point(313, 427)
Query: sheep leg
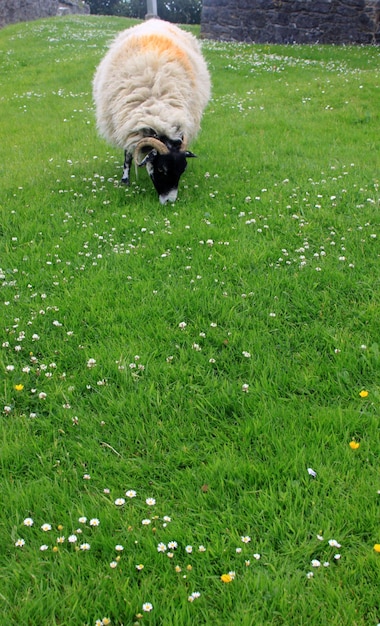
point(127, 166)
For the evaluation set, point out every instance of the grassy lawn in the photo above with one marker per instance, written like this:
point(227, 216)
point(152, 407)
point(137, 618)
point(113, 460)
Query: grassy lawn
point(189, 413)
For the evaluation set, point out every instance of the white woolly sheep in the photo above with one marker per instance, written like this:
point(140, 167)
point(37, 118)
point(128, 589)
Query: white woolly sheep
point(150, 91)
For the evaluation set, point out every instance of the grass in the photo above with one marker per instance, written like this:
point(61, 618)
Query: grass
point(204, 354)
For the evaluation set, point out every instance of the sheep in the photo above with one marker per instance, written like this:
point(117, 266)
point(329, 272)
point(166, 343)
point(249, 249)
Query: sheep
point(150, 91)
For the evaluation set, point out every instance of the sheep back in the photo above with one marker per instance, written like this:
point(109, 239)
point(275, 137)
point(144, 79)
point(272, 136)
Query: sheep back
point(153, 77)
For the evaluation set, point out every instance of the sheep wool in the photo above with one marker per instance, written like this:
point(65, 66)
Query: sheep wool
point(153, 79)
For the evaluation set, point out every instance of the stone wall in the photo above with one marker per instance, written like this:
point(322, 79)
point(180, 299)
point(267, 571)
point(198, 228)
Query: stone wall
point(292, 21)
point(12, 11)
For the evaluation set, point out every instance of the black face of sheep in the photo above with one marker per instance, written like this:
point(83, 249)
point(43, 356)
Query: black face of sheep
point(165, 163)
point(165, 170)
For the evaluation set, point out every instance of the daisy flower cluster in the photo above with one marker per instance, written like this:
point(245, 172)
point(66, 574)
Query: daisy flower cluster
point(239, 56)
point(334, 245)
point(36, 377)
point(137, 517)
point(333, 552)
point(105, 621)
point(33, 379)
point(55, 541)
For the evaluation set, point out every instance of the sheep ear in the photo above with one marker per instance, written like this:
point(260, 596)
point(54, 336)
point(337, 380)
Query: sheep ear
point(190, 155)
point(149, 157)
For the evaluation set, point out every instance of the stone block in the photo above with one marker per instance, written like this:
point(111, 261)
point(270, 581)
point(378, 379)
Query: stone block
point(321, 6)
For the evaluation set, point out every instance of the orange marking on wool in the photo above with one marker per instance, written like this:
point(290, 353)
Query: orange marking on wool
point(164, 46)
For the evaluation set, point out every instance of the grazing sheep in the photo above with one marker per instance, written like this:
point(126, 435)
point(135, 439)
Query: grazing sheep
point(150, 91)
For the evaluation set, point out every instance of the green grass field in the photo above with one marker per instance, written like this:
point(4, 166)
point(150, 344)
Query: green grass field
point(189, 378)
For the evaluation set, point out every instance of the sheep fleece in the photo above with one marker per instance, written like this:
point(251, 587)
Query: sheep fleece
point(153, 77)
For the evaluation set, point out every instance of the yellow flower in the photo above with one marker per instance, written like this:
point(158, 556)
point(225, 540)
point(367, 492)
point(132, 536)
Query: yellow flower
point(354, 445)
point(363, 393)
point(19, 387)
point(376, 547)
point(226, 578)
point(55, 548)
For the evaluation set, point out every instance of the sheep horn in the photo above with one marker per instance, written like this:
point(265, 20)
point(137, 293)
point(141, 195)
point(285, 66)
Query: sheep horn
point(183, 144)
point(150, 142)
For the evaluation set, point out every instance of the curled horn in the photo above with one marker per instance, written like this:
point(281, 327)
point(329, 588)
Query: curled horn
point(183, 144)
point(150, 142)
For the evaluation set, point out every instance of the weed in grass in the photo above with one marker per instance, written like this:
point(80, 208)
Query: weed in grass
point(190, 394)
